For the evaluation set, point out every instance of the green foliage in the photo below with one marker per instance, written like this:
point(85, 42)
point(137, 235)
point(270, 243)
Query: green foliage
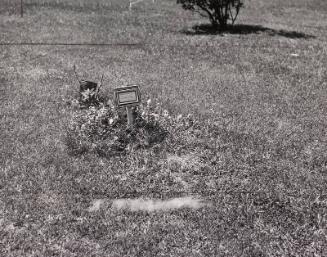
point(218, 11)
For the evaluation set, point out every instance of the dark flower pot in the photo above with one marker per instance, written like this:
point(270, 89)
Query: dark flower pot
point(85, 85)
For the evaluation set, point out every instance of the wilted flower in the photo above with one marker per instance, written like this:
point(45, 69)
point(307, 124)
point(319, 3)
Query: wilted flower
point(156, 116)
point(165, 113)
point(111, 121)
point(92, 109)
point(75, 103)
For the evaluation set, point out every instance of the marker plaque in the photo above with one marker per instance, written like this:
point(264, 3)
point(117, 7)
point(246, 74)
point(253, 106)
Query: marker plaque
point(127, 96)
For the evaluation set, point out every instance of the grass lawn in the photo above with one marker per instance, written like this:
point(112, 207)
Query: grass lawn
point(258, 154)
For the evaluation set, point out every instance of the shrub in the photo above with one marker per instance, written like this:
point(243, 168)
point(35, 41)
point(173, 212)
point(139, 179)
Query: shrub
point(218, 11)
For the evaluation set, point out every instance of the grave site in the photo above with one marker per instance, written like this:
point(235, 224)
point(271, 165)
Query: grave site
point(139, 128)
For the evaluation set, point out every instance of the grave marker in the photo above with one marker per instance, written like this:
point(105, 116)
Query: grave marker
point(128, 97)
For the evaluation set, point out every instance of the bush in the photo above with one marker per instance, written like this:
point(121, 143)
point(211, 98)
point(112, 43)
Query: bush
point(218, 11)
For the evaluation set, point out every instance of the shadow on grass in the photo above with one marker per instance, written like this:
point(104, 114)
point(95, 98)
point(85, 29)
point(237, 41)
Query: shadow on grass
point(243, 29)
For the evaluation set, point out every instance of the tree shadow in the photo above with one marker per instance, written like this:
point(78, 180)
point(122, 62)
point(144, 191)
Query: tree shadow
point(244, 29)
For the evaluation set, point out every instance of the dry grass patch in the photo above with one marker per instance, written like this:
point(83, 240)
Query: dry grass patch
point(158, 205)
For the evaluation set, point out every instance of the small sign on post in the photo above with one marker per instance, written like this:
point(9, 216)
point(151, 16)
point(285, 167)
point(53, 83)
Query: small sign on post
point(128, 97)
point(21, 8)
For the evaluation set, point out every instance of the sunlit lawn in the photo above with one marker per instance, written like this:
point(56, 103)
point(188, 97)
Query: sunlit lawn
point(259, 155)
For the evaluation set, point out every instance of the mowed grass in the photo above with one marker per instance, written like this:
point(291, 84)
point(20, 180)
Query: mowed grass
point(259, 156)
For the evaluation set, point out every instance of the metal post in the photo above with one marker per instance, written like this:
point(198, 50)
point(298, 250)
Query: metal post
point(130, 118)
point(21, 8)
